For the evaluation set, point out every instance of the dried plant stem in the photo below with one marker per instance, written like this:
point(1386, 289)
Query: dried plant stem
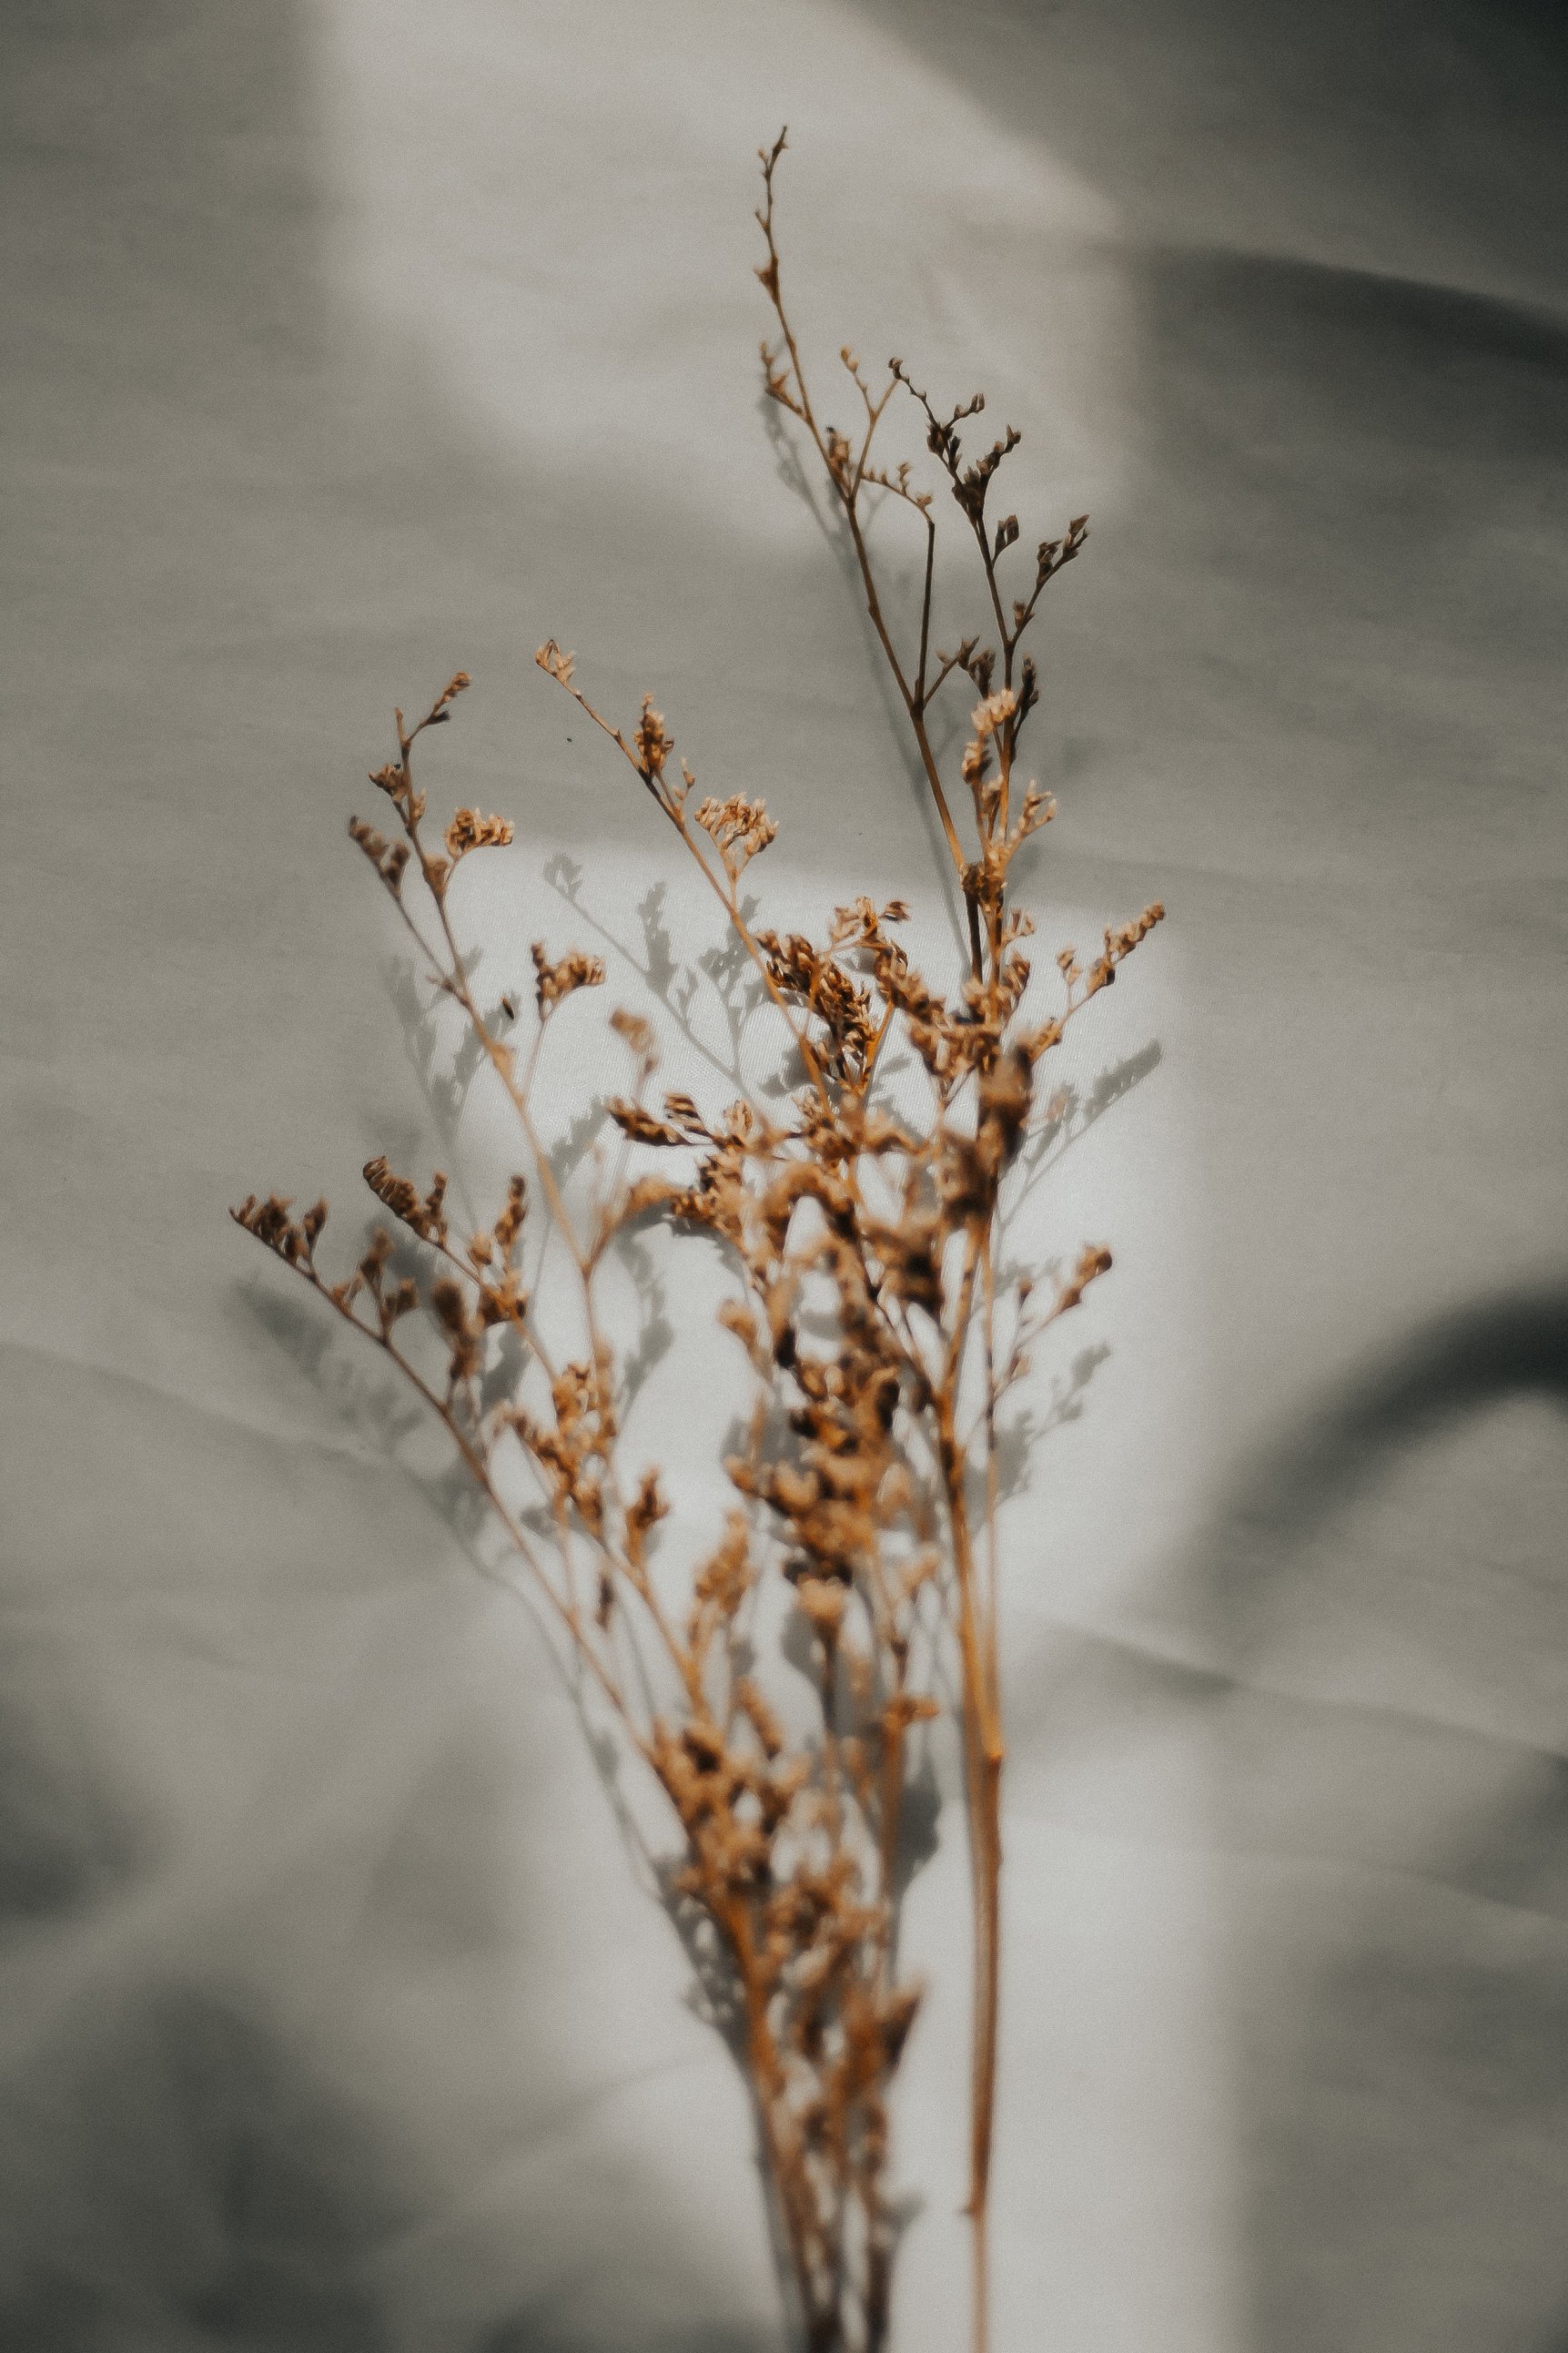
point(984, 1757)
point(855, 1485)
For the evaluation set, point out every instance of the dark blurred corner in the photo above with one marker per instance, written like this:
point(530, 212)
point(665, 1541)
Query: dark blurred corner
point(171, 2174)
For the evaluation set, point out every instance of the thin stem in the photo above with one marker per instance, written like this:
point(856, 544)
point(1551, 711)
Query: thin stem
point(846, 488)
point(983, 1759)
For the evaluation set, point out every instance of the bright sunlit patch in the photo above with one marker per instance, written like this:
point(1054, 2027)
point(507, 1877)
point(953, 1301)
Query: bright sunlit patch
point(551, 212)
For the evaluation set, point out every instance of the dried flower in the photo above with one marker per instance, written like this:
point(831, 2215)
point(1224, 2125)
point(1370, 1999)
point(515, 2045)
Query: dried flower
point(740, 828)
point(868, 1291)
point(468, 830)
point(575, 970)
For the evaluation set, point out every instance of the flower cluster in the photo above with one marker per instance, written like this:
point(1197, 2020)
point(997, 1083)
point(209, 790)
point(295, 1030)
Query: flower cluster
point(879, 1329)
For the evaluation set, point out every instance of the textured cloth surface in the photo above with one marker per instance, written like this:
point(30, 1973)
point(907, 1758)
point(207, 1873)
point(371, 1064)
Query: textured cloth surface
point(357, 342)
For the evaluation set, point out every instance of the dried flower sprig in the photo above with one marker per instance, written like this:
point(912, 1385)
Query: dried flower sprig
point(855, 1487)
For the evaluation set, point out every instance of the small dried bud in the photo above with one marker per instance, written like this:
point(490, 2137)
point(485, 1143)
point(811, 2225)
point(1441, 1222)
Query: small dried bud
point(558, 665)
point(373, 844)
point(683, 1111)
point(399, 1194)
point(653, 740)
point(1094, 1262)
point(456, 684)
point(637, 1033)
point(644, 1513)
point(270, 1221)
point(508, 1225)
point(425, 1218)
point(640, 1125)
point(649, 1193)
point(760, 1716)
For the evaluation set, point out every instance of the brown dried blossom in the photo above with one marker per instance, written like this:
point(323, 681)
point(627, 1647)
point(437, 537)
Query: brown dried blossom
point(738, 827)
point(468, 830)
point(864, 1250)
point(556, 981)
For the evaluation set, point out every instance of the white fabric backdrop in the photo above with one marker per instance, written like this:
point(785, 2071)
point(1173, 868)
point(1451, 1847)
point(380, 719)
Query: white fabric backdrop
point(363, 341)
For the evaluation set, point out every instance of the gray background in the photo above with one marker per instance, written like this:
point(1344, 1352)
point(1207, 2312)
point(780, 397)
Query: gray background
point(325, 2020)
